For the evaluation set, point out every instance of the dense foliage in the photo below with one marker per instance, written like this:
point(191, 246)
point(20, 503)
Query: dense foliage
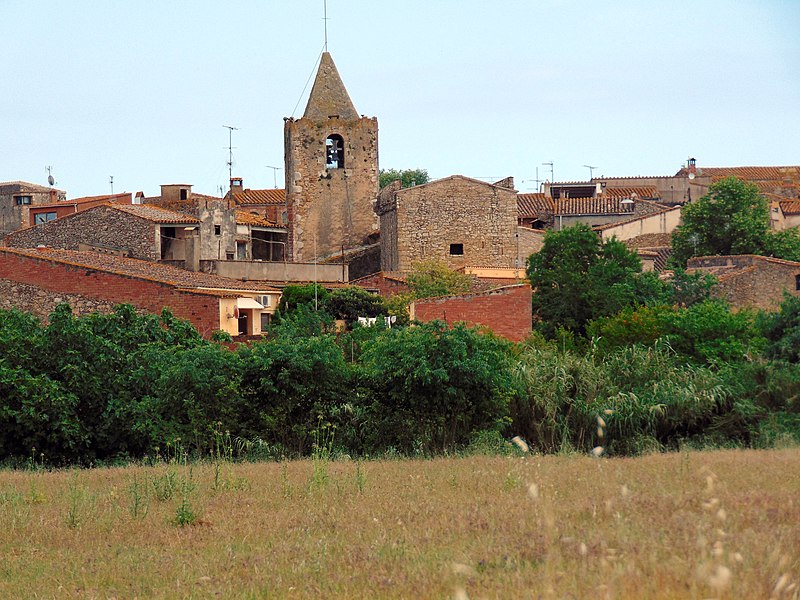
point(732, 218)
point(407, 177)
point(658, 376)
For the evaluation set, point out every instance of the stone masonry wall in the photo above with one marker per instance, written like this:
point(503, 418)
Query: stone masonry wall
point(330, 207)
point(751, 281)
point(506, 311)
point(202, 310)
point(456, 210)
point(102, 226)
point(42, 302)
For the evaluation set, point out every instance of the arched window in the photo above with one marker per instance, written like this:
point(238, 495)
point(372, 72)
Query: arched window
point(334, 152)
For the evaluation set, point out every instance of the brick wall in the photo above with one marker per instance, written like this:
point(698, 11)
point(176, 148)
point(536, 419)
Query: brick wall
point(202, 310)
point(506, 311)
point(387, 287)
point(101, 226)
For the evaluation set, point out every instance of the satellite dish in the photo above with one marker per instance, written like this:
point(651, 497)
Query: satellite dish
point(691, 175)
point(51, 180)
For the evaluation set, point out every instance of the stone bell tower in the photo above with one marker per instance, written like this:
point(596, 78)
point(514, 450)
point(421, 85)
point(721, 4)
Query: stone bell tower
point(331, 157)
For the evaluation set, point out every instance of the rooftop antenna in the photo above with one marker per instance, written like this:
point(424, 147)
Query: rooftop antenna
point(550, 164)
point(591, 168)
point(274, 174)
point(111, 181)
point(230, 129)
point(325, 20)
point(50, 179)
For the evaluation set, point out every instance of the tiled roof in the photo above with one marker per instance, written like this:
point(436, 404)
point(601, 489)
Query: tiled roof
point(630, 192)
point(592, 206)
point(650, 240)
point(34, 187)
point(642, 210)
point(246, 218)
point(790, 207)
point(532, 205)
point(156, 214)
point(260, 197)
point(752, 173)
point(125, 196)
point(141, 269)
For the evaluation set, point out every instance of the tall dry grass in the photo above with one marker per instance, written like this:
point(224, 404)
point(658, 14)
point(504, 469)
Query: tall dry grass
point(685, 525)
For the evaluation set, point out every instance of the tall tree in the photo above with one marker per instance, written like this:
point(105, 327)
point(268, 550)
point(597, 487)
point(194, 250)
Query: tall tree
point(576, 278)
point(732, 218)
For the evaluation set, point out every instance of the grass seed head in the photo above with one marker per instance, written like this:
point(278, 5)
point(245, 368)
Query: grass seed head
point(601, 422)
point(597, 451)
point(782, 582)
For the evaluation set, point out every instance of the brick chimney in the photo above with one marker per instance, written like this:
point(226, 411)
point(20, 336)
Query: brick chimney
point(692, 168)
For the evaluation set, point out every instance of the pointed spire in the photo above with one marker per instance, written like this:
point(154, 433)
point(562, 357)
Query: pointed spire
point(329, 96)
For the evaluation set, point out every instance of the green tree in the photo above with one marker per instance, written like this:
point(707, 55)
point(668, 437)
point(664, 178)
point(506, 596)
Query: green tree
point(732, 218)
point(782, 330)
point(434, 278)
point(576, 277)
point(311, 295)
point(351, 302)
point(407, 177)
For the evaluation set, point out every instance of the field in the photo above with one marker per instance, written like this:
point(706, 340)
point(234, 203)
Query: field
point(722, 524)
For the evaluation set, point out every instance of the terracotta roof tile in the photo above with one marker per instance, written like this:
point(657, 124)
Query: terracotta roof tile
point(790, 207)
point(153, 213)
point(592, 206)
point(141, 269)
point(260, 197)
point(246, 218)
point(531, 205)
point(650, 240)
point(631, 192)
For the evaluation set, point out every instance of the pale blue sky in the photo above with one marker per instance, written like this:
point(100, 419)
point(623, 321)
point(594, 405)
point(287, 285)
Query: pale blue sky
point(141, 90)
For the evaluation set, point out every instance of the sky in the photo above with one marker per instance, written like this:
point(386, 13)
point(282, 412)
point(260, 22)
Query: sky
point(142, 90)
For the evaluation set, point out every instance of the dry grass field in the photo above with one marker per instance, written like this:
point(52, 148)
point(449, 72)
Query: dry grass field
point(720, 524)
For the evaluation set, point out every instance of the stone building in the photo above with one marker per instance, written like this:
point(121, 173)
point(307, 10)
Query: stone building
point(331, 166)
point(750, 281)
point(45, 213)
point(133, 230)
point(16, 200)
point(460, 221)
point(261, 217)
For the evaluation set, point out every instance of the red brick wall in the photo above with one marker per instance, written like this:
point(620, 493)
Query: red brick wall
point(201, 310)
point(506, 311)
point(386, 287)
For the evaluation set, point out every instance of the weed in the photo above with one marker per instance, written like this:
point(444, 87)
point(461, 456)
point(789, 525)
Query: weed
point(322, 450)
point(361, 479)
point(138, 507)
point(185, 514)
point(77, 499)
point(164, 487)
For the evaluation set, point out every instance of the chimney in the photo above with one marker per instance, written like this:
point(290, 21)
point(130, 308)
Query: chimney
point(139, 198)
point(237, 185)
point(692, 168)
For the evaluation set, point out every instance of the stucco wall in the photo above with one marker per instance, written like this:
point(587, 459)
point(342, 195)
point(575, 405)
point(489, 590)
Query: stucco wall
point(664, 222)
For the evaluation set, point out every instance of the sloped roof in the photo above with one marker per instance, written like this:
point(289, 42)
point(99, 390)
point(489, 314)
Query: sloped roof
point(790, 207)
point(260, 197)
point(592, 206)
point(650, 240)
point(156, 214)
point(33, 187)
point(246, 218)
point(328, 95)
point(462, 178)
point(630, 192)
point(141, 269)
point(532, 205)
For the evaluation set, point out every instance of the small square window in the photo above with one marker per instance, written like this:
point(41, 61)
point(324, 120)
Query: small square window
point(797, 282)
point(217, 229)
point(456, 249)
point(20, 200)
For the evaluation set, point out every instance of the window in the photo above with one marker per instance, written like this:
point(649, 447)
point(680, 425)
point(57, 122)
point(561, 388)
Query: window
point(184, 194)
point(456, 249)
point(217, 229)
point(334, 152)
point(40, 218)
point(797, 282)
point(20, 200)
point(265, 318)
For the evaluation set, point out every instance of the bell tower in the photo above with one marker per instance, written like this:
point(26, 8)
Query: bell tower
point(331, 156)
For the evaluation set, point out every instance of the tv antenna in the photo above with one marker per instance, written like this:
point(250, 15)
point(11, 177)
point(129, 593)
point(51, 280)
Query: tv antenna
point(111, 181)
point(274, 174)
point(230, 129)
point(50, 179)
point(550, 164)
point(591, 168)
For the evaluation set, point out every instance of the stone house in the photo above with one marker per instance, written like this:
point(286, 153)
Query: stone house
point(18, 197)
point(750, 281)
point(457, 220)
point(134, 230)
point(50, 212)
point(34, 279)
point(261, 217)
